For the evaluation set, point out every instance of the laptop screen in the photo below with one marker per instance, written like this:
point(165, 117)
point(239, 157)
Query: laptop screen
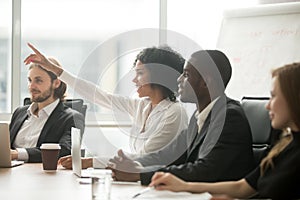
point(76, 152)
point(5, 158)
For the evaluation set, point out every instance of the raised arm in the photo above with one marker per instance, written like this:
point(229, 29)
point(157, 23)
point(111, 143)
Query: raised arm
point(44, 62)
point(86, 89)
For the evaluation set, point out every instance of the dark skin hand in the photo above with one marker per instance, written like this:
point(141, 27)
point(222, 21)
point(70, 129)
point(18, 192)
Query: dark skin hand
point(124, 169)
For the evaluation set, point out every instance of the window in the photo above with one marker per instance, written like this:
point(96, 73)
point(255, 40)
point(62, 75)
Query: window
point(201, 20)
point(73, 32)
point(5, 55)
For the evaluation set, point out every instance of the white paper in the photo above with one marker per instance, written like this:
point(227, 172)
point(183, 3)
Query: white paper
point(165, 195)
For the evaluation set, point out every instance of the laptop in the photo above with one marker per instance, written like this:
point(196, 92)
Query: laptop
point(5, 158)
point(76, 154)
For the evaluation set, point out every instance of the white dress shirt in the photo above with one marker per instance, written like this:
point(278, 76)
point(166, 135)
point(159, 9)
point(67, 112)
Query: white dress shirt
point(149, 132)
point(201, 117)
point(30, 131)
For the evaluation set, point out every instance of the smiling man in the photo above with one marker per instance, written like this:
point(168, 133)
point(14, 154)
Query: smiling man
point(46, 120)
point(217, 144)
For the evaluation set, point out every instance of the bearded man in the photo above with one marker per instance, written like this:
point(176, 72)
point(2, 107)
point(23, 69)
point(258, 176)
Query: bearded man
point(45, 120)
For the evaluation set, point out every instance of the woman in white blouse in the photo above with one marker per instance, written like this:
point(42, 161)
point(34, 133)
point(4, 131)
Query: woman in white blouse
point(157, 116)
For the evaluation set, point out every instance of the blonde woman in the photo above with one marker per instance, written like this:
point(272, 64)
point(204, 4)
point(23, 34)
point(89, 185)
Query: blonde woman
point(278, 176)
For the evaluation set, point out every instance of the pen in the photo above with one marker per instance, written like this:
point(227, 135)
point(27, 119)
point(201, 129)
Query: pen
point(147, 189)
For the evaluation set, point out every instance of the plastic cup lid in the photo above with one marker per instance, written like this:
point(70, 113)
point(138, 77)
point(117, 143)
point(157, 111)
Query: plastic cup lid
point(50, 146)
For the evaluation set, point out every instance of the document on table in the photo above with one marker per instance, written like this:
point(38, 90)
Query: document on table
point(167, 195)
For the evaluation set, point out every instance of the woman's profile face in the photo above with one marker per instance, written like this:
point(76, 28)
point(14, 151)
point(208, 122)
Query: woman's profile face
point(142, 80)
point(278, 108)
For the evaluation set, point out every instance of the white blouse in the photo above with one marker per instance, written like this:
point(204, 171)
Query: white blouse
point(165, 121)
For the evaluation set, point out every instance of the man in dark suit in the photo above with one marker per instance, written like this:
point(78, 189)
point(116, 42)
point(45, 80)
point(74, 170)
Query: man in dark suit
point(217, 144)
point(46, 120)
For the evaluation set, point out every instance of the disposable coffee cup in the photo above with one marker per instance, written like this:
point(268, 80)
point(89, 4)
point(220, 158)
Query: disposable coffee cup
point(50, 153)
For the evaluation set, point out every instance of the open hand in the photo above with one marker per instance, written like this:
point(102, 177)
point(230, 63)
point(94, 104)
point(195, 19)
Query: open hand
point(38, 58)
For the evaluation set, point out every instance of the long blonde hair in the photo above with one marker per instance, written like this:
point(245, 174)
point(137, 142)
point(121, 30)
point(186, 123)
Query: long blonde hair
point(289, 81)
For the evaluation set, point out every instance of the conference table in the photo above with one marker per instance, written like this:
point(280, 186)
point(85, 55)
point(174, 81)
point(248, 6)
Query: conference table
point(31, 182)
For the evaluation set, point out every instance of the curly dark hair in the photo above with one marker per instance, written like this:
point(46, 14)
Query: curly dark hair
point(165, 66)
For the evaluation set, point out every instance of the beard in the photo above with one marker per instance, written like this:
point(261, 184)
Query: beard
point(43, 96)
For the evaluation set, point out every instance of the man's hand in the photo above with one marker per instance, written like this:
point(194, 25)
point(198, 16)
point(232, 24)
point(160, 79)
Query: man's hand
point(13, 154)
point(124, 176)
point(66, 162)
point(124, 169)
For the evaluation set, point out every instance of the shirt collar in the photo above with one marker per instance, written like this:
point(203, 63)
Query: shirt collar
point(161, 106)
point(201, 117)
point(164, 104)
point(47, 110)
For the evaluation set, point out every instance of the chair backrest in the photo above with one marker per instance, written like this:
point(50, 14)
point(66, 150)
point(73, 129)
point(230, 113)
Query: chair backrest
point(76, 104)
point(260, 124)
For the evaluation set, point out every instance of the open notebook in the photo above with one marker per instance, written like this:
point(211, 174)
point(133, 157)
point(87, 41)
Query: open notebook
point(5, 159)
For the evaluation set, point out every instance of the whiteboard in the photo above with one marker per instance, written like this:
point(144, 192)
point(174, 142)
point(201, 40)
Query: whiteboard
point(257, 40)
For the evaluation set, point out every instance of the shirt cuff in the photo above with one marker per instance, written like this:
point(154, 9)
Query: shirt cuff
point(68, 78)
point(22, 154)
point(138, 163)
point(100, 162)
point(146, 178)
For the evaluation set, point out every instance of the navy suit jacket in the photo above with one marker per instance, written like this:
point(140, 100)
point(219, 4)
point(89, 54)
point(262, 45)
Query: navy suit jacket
point(221, 151)
point(57, 129)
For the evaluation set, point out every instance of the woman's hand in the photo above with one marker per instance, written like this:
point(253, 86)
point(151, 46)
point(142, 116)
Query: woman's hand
point(221, 197)
point(167, 181)
point(40, 59)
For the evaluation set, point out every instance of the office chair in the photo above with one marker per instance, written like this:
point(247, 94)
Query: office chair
point(76, 104)
point(260, 124)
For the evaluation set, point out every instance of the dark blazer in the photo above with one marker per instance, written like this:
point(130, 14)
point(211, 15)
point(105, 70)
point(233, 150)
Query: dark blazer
point(221, 151)
point(57, 129)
